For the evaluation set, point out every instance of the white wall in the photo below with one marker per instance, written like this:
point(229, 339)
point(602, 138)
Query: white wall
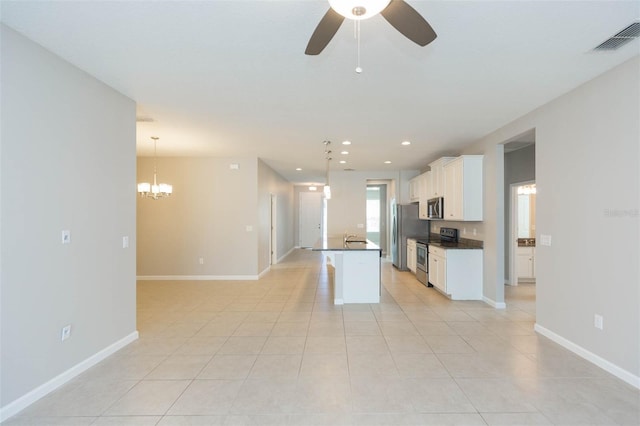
point(587, 162)
point(271, 183)
point(206, 217)
point(67, 162)
point(347, 207)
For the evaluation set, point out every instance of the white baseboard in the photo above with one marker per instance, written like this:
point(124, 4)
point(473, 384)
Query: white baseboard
point(197, 277)
point(497, 305)
point(29, 398)
point(608, 366)
point(286, 254)
point(261, 274)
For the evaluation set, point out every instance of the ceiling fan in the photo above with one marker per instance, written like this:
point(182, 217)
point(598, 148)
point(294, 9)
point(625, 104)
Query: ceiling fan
point(399, 14)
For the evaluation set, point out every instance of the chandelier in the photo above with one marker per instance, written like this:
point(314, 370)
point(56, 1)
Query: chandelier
point(155, 191)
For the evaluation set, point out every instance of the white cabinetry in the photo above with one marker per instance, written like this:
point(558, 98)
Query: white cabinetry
point(456, 272)
point(414, 189)
point(438, 268)
point(436, 189)
point(411, 254)
point(463, 188)
point(525, 263)
point(425, 189)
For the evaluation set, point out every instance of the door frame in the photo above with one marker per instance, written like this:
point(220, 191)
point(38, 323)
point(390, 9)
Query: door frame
point(273, 237)
point(513, 230)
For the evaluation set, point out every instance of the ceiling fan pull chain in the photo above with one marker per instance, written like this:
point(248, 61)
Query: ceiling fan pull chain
point(358, 68)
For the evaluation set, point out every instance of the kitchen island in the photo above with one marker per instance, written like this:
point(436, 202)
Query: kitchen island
point(356, 269)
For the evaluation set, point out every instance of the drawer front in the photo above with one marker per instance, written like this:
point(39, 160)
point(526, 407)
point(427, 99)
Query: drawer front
point(437, 251)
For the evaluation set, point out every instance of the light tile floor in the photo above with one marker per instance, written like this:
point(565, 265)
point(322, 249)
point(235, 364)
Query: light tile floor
point(278, 352)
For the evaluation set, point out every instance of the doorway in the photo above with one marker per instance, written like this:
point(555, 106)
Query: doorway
point(522, 241)
point(519, 167)
point(310, 219)
point(377, 215)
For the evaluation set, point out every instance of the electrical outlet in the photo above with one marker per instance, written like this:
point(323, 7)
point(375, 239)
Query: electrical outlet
point(66, 236)
point(125, 242)
point(598, 322)
point(201, 260)
point(475, 231)
point(65, 333)
point(249, 228)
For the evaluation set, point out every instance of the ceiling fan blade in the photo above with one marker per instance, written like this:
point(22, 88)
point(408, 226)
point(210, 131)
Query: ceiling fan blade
point(324, 32)
point(409, 22)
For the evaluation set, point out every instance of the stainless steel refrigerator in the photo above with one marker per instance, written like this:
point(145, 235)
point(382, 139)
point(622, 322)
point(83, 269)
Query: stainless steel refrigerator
point(405, 224)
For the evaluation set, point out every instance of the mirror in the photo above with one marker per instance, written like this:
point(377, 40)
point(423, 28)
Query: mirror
point(527, 211)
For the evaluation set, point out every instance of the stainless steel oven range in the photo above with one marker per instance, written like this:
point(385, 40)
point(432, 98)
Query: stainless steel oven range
point(422, 262)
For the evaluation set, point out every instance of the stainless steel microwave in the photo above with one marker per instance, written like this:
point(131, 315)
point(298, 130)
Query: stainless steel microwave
point(435, 208)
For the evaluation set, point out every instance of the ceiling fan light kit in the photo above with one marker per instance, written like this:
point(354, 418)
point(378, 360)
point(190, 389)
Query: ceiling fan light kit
point(358, 9)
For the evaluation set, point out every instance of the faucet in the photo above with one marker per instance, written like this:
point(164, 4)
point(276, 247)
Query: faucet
point(347, 237)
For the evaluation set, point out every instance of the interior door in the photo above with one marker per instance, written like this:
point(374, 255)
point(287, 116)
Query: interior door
point(310, 222)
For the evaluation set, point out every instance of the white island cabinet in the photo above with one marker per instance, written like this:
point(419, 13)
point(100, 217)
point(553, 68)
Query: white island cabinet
point(356, 267)
point(456, 272)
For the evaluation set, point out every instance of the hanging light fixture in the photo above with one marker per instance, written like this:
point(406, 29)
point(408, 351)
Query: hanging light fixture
point(327, 155)
point(154, 190)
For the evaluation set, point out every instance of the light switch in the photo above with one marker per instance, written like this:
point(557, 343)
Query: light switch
point(545, 240)
point(125, 242)
point(66, 236)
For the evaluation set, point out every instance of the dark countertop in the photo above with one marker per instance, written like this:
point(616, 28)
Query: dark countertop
point(338, 244)
point(455, 246)
point(462, 244)
point(526, 242)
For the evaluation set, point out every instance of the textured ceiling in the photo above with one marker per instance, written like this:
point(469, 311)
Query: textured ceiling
point(230, 78)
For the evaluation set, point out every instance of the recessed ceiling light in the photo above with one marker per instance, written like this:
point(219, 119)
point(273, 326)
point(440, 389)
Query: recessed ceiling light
point(346, 143)
point(298, 169)
point(345, 153)
point(387, 162)
point(342, 162)
point(406, 143)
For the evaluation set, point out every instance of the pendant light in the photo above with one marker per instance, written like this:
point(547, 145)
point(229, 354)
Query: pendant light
point(327, 155)
point(155, 191)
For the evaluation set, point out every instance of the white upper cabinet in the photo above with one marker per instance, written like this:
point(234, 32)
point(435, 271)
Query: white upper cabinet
point(425, 190)
point(436, 189)
point(414, 189)
point(463, 188)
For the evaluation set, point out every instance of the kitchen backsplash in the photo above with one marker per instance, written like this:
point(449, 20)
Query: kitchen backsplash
point(465, 229)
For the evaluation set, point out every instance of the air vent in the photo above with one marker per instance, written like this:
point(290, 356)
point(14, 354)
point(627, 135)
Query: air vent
point(623, 37)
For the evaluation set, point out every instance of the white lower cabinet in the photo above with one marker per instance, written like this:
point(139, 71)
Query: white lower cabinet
point(456, 272)
point(411, 255)
point(525, 263)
